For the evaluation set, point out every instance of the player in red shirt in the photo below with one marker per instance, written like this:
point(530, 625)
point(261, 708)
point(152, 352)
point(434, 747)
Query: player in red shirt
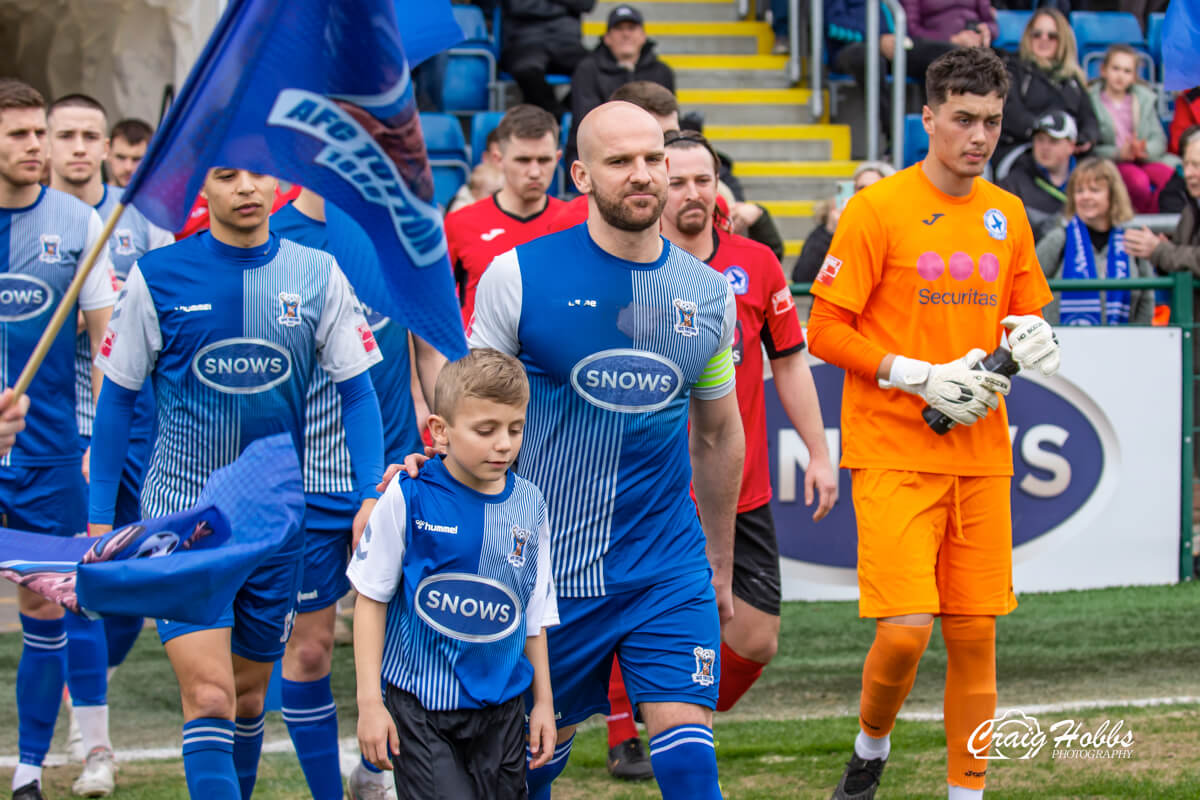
point(766, 318)
point(520, 211)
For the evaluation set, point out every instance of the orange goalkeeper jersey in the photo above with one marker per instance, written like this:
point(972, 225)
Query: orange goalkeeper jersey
point(928, 276)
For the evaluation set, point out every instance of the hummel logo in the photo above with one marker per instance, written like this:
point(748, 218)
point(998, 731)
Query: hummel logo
point(933, 218)
point(492, 234)
point(197, 307)
point(430, 527)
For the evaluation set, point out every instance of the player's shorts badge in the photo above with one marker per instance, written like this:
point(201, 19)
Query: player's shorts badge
point(124, 239)
point(739, 281)
point(51, 248)
point(516, 557)
point(289, 310)
point(996, 224)
point(705, 658)
point(685, 317)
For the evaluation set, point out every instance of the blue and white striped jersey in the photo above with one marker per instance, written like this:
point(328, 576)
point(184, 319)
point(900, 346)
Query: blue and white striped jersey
point(230, 337)
point(133, 236)
point(614, 350)
point(43, 245)
point(466, 577)
point(327, 468)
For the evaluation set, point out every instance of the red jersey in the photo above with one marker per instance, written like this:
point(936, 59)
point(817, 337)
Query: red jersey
point(198, 217)
point(766, 317)
point(480, 232)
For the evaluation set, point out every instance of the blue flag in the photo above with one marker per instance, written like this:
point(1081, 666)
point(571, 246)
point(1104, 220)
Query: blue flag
point(185, 567)
point(1180, 40)
point(318, 92)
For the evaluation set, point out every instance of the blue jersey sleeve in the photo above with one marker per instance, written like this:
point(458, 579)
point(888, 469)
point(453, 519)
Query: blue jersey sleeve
point(110, 443)
point(364, 431)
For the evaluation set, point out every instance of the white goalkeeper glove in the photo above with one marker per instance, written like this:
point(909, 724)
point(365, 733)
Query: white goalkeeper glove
point(961, 390)
point(1033, 343)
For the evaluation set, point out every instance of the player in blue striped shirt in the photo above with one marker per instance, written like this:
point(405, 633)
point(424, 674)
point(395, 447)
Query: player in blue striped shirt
point(78, 146)
point(308, 704)
point(454, 595)
point(44, 235)
point(230, 325)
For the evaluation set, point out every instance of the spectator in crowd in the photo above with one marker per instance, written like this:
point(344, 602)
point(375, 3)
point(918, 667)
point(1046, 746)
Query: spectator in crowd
point(1174, 197)
point(1187, 114)
point(1039, 175)
point(485, 179)
point(1182, 250)
point(1130, 131)
point(541, 37)
point(1044, 76)
point(1091, 244)
point(127, 146)
point(934, 28)
point(622, 56)
point(826, 213)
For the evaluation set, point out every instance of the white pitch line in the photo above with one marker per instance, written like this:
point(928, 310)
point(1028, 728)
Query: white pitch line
point(349, 744)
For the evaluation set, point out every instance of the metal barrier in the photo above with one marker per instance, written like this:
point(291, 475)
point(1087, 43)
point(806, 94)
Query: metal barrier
point(1181, 285)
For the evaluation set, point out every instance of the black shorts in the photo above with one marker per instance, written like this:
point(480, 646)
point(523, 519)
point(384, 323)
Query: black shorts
point(756, 560)
point(473, 754)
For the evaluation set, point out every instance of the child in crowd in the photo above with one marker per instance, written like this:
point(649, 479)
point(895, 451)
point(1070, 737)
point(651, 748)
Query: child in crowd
point(1130, 132)
point(454, 595)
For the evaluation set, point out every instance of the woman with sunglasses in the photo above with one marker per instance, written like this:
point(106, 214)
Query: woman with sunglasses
point(1044, 76)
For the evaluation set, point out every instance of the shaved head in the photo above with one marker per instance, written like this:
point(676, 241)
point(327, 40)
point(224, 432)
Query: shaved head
point(622, 165)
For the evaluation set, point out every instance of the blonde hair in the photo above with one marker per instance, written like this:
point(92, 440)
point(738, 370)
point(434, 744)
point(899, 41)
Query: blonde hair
point(1101, 170)
point(1066, 56)
point(484, 374)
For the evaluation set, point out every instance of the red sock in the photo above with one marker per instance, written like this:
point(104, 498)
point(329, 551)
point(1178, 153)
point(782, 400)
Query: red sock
point(620, 713)
point(737, 675)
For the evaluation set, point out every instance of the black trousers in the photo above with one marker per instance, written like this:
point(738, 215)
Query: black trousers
point(529, 63)
point(852, 60)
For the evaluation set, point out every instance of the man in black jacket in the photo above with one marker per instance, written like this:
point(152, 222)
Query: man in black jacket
point(540, 37)
point(1039, 175)
point(623, 55)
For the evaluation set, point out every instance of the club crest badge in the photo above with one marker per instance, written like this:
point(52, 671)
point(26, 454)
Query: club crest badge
point(50, 251)
point(705, 659)
point(516, 556)
point(123, 239)
point(289, 310)
point(685, 317)
point(996, 224)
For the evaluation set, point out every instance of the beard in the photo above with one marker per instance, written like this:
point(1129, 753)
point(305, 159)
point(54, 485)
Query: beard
point(616, 214)
point(693, 225)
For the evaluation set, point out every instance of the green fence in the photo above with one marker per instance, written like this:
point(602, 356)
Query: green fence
point(1181, 286)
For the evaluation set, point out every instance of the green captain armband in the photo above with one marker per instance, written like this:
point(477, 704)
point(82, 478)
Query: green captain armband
point(718, 376)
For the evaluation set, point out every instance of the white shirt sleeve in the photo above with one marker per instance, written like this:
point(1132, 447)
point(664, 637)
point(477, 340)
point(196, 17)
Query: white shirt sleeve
point(133, 339)
point(97, 290)
point(157, 237)
point(543, 602)
point(345, 345)
point(375, 566)
point(498, 306)
point(729, 324)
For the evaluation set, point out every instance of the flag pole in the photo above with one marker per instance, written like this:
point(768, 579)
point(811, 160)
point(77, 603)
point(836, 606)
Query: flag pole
point(66, 306)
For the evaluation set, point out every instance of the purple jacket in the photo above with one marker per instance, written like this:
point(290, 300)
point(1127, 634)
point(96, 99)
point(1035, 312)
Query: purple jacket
point(941, 19)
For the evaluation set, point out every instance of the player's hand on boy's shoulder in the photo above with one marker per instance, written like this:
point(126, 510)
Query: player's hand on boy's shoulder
point(377, 737)
point(543, 733)
point(412, 465)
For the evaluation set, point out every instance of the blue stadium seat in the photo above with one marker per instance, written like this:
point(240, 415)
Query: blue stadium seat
point(1154, 23)
point(1096, 30)
point(482, 124)
point(472, 22)
point(470, 82)
point(916, 140)
point(448, 157)
point(1012, 25)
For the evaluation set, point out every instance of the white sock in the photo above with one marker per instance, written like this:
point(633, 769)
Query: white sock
point(870, 748)
point(24, 774)
point(93, 725)
point(963, 793)
point(376, 778)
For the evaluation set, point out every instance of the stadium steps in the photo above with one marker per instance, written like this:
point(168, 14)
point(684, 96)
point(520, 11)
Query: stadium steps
point(707, 71)
point(724, 38)
point(794, 218)
point(750, 106)
point(672, 10)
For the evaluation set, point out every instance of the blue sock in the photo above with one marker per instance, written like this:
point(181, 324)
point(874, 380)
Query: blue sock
point(208, 759)
point(685, 763)
point(538, 780)
point(247, 747)
point(311, 717)
point(120, 634)
point(40, 675)
point(87, 661)
point(368, 766)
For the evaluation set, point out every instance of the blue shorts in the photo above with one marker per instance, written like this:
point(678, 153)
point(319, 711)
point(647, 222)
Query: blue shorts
point(326, 555)
point(667, 637)
point(261, 614)
point(49, 500)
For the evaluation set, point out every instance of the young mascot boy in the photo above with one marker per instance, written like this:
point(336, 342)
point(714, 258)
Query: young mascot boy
point(454, 595)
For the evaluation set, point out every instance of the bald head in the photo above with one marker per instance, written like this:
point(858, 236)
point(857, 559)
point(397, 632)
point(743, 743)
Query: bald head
point(612, 124)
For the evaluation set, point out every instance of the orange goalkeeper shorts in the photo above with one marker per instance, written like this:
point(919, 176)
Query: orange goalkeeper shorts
point(933, 544)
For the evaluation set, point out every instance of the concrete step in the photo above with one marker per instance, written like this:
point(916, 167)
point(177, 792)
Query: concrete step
point(703, 71)
point(781, 142)
point(780, 150)
point(730, 38)
point(658, 10)
point(750, 106)
point(791, 249)
point(794, 218)
point(767, 188)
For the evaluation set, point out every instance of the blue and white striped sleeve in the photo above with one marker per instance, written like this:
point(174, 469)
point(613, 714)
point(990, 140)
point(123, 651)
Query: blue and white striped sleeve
point(718, 378)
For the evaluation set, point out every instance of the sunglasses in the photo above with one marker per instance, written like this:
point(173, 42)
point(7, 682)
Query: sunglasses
point(1051, 35)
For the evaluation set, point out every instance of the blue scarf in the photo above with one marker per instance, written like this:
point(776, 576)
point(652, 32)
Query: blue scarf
point(1079, 262)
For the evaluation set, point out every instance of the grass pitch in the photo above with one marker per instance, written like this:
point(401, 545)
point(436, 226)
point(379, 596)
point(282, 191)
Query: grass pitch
point(790, 736)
